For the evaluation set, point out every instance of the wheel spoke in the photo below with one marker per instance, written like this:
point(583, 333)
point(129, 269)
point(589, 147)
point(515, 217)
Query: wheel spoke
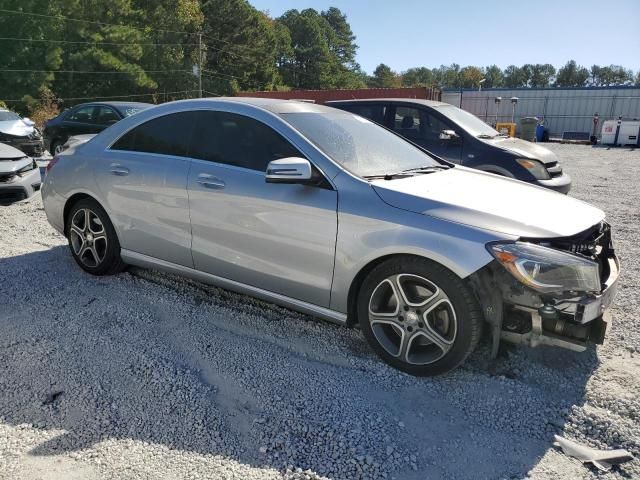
point(431, 332)
point(405, 295)
point(94, 253)
point(406, 339)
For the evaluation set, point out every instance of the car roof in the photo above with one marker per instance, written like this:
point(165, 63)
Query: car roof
point(408, 101)
point(116, 104)
point(274, 105)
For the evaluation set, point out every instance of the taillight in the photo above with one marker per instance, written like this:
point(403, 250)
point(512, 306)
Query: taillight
point(51, 163)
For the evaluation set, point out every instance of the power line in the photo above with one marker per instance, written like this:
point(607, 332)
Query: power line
point(118, 96)
point(95, 43)
point(69, 19)
point(213, 73)
point(13, 70)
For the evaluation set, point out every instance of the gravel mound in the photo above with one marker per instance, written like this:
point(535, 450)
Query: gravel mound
point(151, 376)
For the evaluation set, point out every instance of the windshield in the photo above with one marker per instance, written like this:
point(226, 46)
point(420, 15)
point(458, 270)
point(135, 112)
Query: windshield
point(469, 122)
point(8, 116)
point(357, 144)
point(129, 110)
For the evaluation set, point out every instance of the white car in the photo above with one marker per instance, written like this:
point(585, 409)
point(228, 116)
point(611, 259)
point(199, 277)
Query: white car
point(19, 175)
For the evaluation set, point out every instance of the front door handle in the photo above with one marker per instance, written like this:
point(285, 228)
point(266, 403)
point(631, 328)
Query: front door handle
point(119, 170)
point(209, 181)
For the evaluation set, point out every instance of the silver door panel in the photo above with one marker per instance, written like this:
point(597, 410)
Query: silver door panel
point(273, 236)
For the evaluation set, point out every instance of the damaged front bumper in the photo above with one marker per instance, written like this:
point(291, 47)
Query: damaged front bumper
point(567, 323)
point(519, 314)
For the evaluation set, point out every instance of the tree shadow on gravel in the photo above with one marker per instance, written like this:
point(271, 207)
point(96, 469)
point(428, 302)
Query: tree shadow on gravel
point(127, 359)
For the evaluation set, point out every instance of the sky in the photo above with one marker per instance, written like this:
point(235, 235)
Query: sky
point(410, 33)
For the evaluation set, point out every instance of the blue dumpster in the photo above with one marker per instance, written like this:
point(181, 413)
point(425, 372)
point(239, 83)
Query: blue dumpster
point(539, 133)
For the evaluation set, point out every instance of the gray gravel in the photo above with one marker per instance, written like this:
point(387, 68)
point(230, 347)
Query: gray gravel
point(150, 376)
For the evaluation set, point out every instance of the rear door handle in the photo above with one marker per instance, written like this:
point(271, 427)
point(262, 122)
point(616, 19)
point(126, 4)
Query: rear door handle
point(209, 181)
point(119, 170)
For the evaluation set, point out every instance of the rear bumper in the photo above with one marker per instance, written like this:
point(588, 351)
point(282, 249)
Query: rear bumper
point(561, 184)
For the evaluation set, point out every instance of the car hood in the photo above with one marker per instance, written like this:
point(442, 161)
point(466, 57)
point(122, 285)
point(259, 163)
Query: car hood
point(490, 202)
point(523, 148)
point(12, 159)
point(16, 127)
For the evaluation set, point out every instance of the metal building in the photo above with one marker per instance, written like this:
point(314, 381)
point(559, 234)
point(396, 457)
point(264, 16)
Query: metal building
point(562, 109)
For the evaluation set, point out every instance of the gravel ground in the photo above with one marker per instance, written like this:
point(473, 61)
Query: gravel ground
point(150, 376)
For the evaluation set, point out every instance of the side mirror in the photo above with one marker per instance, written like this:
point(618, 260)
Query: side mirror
point(28, 121)
point(289, 170)
point(448, 135)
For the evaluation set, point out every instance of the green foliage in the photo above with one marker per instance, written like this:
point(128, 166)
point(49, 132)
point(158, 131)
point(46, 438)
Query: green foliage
point(91, 49)
point(384, 77)
point(572, 75)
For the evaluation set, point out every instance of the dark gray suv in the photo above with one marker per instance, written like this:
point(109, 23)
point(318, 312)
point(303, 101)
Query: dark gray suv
point(460, 137)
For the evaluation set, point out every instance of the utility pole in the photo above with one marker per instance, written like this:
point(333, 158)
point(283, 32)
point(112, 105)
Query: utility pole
point(200, 64)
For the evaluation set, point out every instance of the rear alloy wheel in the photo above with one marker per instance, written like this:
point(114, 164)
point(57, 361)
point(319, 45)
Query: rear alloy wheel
point(418, 316)
point(56, 148)
point(92, 239)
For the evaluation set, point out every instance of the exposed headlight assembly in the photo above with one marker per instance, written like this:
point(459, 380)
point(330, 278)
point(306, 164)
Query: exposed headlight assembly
point(535, 167)
point(545, 269)
point(27, 168)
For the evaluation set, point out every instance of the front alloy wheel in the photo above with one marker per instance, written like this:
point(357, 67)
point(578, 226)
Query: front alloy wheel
point(412, 319)
point(418, 316)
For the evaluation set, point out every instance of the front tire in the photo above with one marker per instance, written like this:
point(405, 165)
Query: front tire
point(92, 239)
point(418, 316)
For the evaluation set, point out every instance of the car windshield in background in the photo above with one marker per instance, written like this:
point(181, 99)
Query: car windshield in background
point(468, 121)
point(358, 144)
point(128, 111)
point(8, 116)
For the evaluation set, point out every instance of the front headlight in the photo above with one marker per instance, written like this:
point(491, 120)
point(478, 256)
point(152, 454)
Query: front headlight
point(545, 269)
point(28, 168)
point(535, 167)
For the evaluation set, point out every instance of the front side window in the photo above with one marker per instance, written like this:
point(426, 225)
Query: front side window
point(166, 135)
point(407, 122)
point(106, 116)
point(83, 115)
point(469, 122)
point(233, 139)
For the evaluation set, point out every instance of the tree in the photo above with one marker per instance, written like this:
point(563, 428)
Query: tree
point(384, 77)
point(572, 75)
point(610, 75)
point(243, 47)
point(516, 77)
point(418, 77)
point(18, 88)
point(540, 75)
point(470, 77)
point(494, 77)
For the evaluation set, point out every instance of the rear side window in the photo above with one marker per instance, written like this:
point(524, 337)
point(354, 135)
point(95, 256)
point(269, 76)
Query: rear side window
point(372, 112)
point(237, 140)
point(166, 135)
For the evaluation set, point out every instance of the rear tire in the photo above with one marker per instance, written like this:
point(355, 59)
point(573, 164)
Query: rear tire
point(93, 241)
point(56, 147)
point(418, 316)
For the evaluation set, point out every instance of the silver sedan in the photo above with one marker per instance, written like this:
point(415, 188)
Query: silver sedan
point(327, 213)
